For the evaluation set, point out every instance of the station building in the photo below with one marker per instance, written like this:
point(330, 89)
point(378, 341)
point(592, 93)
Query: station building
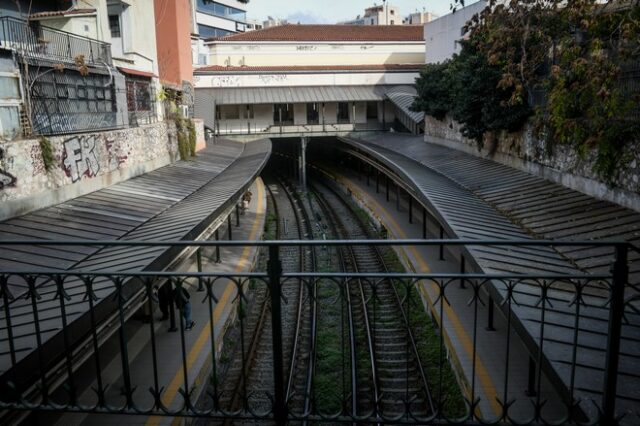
point(311, 79)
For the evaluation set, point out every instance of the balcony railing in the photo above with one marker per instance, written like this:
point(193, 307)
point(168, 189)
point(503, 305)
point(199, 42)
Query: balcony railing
point(89, 296)
point(40, 43)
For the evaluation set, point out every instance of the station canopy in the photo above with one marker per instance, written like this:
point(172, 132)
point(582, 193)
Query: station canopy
point(302, 94)
point(402, 97)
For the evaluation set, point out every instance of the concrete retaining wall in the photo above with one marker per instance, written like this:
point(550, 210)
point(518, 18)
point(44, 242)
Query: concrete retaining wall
point(563, 165)
point(83, 163)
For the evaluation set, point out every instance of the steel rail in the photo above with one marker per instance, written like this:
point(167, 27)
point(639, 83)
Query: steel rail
point(405, 319)
point(412, 339)
point(340, 227)
point(294, 351)
point(352, 334)
point(255, 338)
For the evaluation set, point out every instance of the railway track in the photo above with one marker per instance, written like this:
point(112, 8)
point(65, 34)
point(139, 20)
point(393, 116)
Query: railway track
point(249, 381)
point(396, 385)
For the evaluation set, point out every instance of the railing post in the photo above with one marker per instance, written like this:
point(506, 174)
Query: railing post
point(199, 264)
point(620, 274)
point(275, 272)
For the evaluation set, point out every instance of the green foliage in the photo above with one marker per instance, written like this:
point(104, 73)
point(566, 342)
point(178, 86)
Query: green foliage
point(573, 50)
point(191, 128)
point(47, 153)
point(433, 88)
point(186, 131)
point(467, 88)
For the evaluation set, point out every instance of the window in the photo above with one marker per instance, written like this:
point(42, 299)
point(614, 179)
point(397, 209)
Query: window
point(248, 112)
point(138, 94)
point(392, 22)
point(230, 112)
point(224, 11)
point(343, 112)
point(114, 26)
point(283, 114)
point(372, 110)
point(313, 113)
point(208, 32)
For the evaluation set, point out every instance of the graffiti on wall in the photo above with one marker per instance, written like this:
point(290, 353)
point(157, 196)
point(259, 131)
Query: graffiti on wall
point(6, 178)
point(80, 157)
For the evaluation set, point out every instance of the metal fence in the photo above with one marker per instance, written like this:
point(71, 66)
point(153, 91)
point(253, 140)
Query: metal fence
point(40, 361)
point(40, 43)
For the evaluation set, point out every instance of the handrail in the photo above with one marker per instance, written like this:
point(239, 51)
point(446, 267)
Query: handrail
point(266, 243)
point(56, 30)
point(39, 42)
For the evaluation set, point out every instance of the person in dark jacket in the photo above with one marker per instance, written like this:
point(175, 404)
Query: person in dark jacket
point(181, 298)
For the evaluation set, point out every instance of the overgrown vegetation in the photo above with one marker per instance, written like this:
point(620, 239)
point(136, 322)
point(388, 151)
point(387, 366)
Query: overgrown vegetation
point(561, 61)
point(47, 153)
point(186, 131)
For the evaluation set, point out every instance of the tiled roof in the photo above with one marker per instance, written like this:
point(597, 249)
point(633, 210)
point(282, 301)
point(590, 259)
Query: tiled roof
point(297, 68)
point(362, 33)
point(61, 13)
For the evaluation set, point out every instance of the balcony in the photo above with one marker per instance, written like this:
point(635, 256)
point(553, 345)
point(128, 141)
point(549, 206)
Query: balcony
point(37, 43)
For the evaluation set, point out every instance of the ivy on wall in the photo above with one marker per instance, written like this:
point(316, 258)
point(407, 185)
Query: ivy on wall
point(561, 61)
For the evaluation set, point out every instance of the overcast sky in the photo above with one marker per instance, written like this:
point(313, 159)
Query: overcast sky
point(332, 11)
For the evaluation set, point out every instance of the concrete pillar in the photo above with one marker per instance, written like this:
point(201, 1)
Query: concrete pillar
point(303, 161)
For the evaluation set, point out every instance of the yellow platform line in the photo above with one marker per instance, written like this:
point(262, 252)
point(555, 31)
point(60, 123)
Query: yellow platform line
point(462, 335)
point(172, 390)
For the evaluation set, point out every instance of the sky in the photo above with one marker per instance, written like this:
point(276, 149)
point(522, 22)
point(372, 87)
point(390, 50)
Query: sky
point(332, 11)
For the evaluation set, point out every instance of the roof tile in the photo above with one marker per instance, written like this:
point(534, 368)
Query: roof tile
point(292, 32)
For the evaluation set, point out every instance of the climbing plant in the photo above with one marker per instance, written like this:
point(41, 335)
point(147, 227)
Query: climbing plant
point(47, 153)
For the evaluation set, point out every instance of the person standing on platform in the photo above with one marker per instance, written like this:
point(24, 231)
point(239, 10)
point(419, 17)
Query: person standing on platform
point(181, 297)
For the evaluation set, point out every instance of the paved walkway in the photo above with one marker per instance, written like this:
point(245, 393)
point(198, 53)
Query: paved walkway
point(475, 198)
point(168, 344)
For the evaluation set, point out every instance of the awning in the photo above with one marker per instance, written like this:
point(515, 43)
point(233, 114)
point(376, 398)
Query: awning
point(138, 73)
point(276, 95)
point(402, 97)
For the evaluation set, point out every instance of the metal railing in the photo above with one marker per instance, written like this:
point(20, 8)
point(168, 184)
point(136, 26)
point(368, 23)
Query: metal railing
point(52, 321)
point(249, 128)
point(37, 42)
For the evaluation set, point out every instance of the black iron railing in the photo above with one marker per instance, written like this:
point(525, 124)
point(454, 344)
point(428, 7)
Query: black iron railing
point(555, 352)
point(40, 43)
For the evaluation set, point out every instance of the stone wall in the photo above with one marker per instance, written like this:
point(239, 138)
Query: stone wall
point(562, 164)
point(82, 163)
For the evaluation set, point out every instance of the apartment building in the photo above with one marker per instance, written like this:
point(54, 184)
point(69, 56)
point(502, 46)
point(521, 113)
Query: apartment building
point(212, 19)
point(384, 14)
point(77, 66)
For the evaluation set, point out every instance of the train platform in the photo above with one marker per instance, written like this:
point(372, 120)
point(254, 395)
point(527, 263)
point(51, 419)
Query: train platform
point(182, 201)
point(168, 343)
point(475, 198)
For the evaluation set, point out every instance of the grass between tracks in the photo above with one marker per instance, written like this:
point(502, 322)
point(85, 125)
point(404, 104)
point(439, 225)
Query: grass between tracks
point(442, 380)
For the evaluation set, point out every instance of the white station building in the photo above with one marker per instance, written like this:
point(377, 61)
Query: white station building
point(305, 80)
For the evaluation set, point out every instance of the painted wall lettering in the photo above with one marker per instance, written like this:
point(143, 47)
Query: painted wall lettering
point(79, 158)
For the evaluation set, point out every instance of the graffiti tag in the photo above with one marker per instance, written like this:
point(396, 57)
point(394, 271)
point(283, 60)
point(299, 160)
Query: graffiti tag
point(6, 179)
point(80, 158)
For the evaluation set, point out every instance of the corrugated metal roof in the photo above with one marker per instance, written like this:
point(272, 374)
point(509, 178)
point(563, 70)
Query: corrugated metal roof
point(477, 198)
point(402, 97)
point(275, 95)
